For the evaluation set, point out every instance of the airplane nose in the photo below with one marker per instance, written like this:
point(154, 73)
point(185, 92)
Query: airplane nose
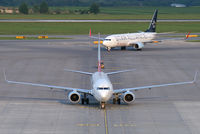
point(104, 43)
point(104, 96)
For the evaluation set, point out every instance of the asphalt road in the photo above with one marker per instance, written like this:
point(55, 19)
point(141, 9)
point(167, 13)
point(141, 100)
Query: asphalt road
point(141, 20)
point(31, 110)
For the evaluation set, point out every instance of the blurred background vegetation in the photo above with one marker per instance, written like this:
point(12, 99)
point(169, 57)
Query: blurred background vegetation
point(100, 2)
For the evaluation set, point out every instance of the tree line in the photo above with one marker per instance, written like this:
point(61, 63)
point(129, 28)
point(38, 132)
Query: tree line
point(43, 8)
point(101, 2)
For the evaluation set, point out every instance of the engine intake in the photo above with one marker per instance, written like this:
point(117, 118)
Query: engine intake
point(138, 45)
point(128, 97)
point(74, 97)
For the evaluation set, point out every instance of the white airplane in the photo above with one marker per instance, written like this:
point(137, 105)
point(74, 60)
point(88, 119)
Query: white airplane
point(101, 87)
point(136, 40)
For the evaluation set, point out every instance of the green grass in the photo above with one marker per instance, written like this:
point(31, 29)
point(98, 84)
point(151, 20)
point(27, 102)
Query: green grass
point(117, 13)
point(193, 40)
point(29, 38)
point(83, 28)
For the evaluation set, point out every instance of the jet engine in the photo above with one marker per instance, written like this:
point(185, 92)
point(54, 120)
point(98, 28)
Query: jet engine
point(128, 97)
point(74, 97)
point(138, 46)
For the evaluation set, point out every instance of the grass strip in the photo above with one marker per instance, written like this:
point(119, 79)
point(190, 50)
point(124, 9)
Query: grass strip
point(70, 28)
point(193, 40)
point(31, 38)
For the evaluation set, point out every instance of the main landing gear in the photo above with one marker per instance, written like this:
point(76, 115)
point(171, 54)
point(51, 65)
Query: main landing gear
point(123, 48)
point(85, 100)
point(116, 100)
point(139, 49)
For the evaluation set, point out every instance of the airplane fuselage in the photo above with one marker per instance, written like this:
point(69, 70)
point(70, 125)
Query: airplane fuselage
point(102, 89)
point(128, 39)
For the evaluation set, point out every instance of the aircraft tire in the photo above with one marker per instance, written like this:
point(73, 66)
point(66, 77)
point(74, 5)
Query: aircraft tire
point(119, 101)
point(87, 101)
point(114, 100)
point(123, 48)
point(82, 101)
point(102, 105)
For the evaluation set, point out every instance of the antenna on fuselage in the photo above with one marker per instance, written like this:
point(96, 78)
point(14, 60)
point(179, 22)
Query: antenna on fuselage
point(99, 55)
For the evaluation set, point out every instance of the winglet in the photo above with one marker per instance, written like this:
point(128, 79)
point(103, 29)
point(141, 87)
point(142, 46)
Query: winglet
point(4, 72)
point(195, 77)
point(187, 36)
point(90, 33)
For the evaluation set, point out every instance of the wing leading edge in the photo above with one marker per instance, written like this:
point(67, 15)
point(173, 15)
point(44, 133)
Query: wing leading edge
point(154, 86)
point(48, 86)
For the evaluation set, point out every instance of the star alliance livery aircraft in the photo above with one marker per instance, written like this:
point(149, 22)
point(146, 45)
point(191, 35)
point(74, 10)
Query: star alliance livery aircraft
point(136, 40)
point(101, 87)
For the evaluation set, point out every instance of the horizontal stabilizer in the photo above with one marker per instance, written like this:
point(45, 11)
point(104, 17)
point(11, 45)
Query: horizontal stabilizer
point(120, 71)
point(76, 71)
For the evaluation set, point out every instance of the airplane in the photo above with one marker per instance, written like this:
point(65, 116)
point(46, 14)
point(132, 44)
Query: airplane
point(101, 87)
point(136, 40)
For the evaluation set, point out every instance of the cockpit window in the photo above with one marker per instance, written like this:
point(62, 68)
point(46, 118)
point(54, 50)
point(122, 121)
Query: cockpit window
point(107, 39)
point(100, 88)
point(106, 88)
point(103, 88)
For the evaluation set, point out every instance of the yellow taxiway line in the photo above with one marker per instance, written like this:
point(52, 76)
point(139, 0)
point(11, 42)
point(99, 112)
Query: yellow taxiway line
point(105, 121)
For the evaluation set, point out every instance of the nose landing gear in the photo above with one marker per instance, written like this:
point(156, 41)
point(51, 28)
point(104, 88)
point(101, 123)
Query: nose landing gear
point(108, 49)
point(102, 105)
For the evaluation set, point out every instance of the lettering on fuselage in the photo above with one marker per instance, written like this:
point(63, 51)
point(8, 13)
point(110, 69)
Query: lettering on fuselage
point(133, 37)
point(129, 39)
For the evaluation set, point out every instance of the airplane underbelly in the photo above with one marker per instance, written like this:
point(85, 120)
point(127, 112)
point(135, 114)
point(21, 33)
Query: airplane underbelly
point(122, 44)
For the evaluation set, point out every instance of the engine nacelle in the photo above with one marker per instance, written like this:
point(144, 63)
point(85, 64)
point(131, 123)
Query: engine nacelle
point(74, 97)
point(128, 97)
point(138, 46)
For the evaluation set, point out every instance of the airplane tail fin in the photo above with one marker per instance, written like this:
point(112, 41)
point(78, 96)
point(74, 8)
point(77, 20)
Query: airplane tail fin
point(99, 55)
point(152, 26)
point(90, 34)
point(187, 36)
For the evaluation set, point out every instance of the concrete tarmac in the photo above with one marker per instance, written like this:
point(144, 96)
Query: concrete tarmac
point(31, 110)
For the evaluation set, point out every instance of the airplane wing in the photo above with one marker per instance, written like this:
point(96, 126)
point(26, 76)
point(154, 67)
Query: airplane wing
point(48, 86)
point(152, 86)
point(169, 37)
point(120, 71)
point(76, 71)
